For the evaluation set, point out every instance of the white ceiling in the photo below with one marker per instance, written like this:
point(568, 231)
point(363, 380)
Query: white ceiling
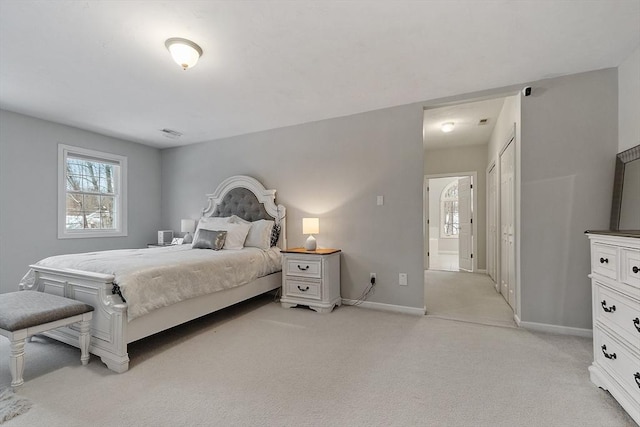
point(103, 66)
point(466, 118)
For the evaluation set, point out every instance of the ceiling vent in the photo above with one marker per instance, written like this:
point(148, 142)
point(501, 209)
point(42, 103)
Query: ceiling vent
point(169, 133)
point(482, 122)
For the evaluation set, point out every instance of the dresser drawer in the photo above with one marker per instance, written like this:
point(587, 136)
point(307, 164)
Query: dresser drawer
point(303, 288)
point(604, 260)
point(618, 362)
point(618, 313)
point(630, 267)
point(303, 267)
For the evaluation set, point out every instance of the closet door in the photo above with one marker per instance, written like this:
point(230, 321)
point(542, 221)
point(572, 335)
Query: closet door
point(507, 202)
point(492, 229)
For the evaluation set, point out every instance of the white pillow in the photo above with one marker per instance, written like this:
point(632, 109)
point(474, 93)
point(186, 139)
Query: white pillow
point(236, 233)
point(211, 223)
point(260, 234)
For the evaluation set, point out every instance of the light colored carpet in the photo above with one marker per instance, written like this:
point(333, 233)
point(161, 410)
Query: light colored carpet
point(259, 364)
point(468, 297)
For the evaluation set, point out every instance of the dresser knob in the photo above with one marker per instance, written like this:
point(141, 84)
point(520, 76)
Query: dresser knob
point(303, 290)
point(637, 377)
point(303, 269)
point(636, 323)
point(635, 269)
point(607, 355)
point(608, 309)
point(604, 260)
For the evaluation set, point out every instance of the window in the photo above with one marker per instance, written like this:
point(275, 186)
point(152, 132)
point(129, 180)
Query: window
point(92, 189)
point(449, 219)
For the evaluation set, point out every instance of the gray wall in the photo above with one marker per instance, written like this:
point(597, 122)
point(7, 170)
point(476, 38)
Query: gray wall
point(332, 169)
point(29, 191)
point(466, 159)
point(629, 101)
point(569, 141)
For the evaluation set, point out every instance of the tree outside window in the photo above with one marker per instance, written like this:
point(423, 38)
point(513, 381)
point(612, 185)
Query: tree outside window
point(449, 218)
point(92, 200)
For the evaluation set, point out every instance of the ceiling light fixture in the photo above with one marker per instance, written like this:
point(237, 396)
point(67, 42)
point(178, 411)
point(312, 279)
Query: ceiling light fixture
point(185, 52)
point(447, 127)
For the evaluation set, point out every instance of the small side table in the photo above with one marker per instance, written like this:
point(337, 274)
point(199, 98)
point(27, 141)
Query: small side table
point(311, 278)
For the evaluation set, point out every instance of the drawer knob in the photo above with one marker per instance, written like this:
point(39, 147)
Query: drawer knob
point(635, 269)
point(637, 378)
point(303, 290)
point(303, 268)
point(611, 356)
point(608, 309)
point(604, 260)
point(636, 323)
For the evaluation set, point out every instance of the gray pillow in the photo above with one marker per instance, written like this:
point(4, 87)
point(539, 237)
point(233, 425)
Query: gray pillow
point(209, 239)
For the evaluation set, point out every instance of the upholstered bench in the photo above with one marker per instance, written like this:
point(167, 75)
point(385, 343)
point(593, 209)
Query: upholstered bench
point(26, 313)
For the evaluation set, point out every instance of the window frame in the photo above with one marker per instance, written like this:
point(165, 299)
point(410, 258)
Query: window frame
point(65, 151)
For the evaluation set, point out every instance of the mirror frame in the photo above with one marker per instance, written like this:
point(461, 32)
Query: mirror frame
point(622, 159)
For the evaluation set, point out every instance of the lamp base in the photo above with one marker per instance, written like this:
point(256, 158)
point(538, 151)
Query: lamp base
point(310, 244)
point(188, 238)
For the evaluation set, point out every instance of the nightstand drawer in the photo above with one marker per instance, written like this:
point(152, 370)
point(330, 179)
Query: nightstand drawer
point(304, 268)
point(604, 260)
point(303, 288)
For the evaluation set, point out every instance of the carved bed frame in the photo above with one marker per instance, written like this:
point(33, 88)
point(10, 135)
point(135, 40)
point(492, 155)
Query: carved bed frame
point(111, 331)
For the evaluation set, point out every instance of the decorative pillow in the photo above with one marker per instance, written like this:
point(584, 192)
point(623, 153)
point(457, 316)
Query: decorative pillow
point(210, 223)
point(259, 235)
point(275, 235)
point(236, 233)
point(210, 239)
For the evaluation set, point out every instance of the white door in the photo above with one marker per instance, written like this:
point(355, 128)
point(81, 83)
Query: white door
point(492, 221)
point(465, 237)
point(507, 202)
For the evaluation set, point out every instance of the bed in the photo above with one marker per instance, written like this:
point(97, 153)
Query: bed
point(118, 321)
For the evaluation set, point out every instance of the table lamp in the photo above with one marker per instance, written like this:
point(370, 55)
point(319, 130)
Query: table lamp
point(188, 226)
point(310, 226)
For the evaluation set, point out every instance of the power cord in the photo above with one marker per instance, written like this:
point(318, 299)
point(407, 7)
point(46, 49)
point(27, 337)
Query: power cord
point(368, 291)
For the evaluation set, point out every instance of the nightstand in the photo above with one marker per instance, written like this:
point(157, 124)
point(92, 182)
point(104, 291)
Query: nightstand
point(311, 278)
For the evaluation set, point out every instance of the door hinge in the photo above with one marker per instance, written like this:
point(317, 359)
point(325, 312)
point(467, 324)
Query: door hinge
point(427, 221)
point(471, 186)
point(471, 256)
point(471, 220)
point(428, 253)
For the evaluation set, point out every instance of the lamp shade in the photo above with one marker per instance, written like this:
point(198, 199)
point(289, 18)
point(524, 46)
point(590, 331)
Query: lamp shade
point(310, 225)
point(187, 225)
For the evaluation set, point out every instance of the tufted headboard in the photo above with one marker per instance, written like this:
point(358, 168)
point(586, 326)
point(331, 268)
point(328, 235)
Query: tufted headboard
point(247, 198)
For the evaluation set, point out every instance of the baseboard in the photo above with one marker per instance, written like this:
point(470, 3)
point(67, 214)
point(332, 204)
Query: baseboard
point(481, 271)
point(386, 307)
point(554, 329)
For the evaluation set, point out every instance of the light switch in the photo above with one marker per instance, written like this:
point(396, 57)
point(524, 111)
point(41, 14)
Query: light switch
point(402, 279)
point(380, 200)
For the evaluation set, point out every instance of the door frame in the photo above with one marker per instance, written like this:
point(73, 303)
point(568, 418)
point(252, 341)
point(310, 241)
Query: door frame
point(474, 204)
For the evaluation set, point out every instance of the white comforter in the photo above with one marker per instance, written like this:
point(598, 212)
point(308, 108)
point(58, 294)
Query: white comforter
point(158, 277)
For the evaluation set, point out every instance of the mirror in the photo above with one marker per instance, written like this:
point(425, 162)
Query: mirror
point(625, 207)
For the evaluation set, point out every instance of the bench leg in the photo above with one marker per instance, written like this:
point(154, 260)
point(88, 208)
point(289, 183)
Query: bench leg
point(84, 338)
point(16, 362)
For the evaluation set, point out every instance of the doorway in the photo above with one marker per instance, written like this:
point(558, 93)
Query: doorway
point(449, 222)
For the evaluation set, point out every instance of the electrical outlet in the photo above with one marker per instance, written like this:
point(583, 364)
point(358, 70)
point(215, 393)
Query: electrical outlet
point(402, 279)
point(372, 278)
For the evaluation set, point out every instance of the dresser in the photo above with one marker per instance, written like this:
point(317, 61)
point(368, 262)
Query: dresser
point(615, 283)
point(311, 278)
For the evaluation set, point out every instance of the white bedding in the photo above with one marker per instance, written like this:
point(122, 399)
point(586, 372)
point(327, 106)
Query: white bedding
point(158, 277)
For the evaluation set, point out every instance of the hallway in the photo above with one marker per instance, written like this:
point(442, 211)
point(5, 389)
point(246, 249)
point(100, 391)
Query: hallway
point(468, 297)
